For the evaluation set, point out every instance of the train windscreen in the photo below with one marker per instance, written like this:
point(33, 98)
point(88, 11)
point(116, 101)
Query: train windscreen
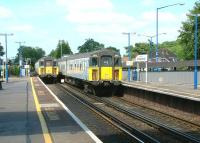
point(106, 61)
point(48, 63)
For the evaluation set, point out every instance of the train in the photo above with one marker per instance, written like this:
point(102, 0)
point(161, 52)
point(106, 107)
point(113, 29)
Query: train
point(99, 72)
point(47, 69)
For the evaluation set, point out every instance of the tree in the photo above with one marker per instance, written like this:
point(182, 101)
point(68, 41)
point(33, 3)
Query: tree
point(65, 49)
point(53, 53)
point(89, 46)
point(1, 50)
point(175, 47)
point(140, 48)
point(113, 48)
point(186, 36)
point(34, 53)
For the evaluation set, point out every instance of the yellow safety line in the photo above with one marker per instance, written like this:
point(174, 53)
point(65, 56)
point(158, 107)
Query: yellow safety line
point(45, 130)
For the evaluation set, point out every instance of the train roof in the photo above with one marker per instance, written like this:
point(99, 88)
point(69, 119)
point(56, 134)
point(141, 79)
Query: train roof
point(105, 51)
point(47, 58)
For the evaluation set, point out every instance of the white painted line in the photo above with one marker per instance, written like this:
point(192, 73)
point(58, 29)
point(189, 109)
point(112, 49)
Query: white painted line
point(78, 121)
point(49, 105)
point(98, 103)
point(148, 88)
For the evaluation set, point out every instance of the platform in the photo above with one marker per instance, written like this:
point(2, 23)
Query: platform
point(29, 112)
point(18, 117)
point(185, 91)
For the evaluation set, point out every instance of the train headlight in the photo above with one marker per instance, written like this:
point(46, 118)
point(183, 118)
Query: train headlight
point(62, 80)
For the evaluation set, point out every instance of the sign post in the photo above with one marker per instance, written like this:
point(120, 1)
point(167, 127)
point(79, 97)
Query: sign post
point(143, 58)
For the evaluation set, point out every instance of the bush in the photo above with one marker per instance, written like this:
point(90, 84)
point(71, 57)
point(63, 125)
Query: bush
point(14, 70)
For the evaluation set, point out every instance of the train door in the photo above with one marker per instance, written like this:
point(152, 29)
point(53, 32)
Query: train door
point(94, 69)
point(117, 69)
point(106, 64)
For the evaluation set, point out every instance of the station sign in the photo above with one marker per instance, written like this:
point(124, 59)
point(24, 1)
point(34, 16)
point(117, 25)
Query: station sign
point(26, 66)
point(141, 58)
point(129, 63)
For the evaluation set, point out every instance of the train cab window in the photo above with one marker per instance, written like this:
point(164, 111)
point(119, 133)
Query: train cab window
point(48, 63)
point(117, 62)
point(54, 63)
point(41, 63)
point(94, 62)
point(106, 61)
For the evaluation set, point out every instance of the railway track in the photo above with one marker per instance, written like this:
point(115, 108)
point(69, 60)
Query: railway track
point(178, 122)
point(177, 130)
point(133, 132)
point(166, 131)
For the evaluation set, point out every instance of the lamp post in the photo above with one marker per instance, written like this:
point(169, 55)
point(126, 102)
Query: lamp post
point(129, 52)
point(20, 57)
point(195, 51)
point(6, 35)
point(60, 42)
point(157, 25)
point(151, 42)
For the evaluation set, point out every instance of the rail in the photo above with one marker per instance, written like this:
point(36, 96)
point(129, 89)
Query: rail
point(135, 133)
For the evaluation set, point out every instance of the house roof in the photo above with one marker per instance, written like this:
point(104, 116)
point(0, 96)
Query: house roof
point(164, 53)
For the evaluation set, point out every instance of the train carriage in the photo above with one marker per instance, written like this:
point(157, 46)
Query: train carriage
point(93, 70)
point(47, 69)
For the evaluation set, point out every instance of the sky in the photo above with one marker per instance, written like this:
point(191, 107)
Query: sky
point(41, 23)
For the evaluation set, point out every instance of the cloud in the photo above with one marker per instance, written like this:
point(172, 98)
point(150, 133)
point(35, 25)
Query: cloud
point(92, 16)
point(86, 5)
point(4, 12)
point(21, 28)
point(163, 16)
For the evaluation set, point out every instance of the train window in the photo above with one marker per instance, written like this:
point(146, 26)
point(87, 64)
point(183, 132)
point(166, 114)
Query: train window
point(54, 63)
point(106, 61)
point(80, 66)
point(41, 63)
point(48, 63)
point(93, 62)
point(117, 62)
point(70, 66)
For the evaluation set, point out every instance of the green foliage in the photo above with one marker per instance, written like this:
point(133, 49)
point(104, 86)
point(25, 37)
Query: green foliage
point(89, 46)
point(65, 49)
point(53, 53)
point(175, 47)
point(30, 52)
point(113, 48)
point(1, 50)
point(186, 36)
point(144, 48)
point(14, 70)
point(140, 48)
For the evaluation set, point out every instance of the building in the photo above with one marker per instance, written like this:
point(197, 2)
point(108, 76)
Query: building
point(164, 55)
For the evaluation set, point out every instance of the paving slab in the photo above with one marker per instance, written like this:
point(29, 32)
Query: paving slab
point(61, 125)
point(19, 122)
